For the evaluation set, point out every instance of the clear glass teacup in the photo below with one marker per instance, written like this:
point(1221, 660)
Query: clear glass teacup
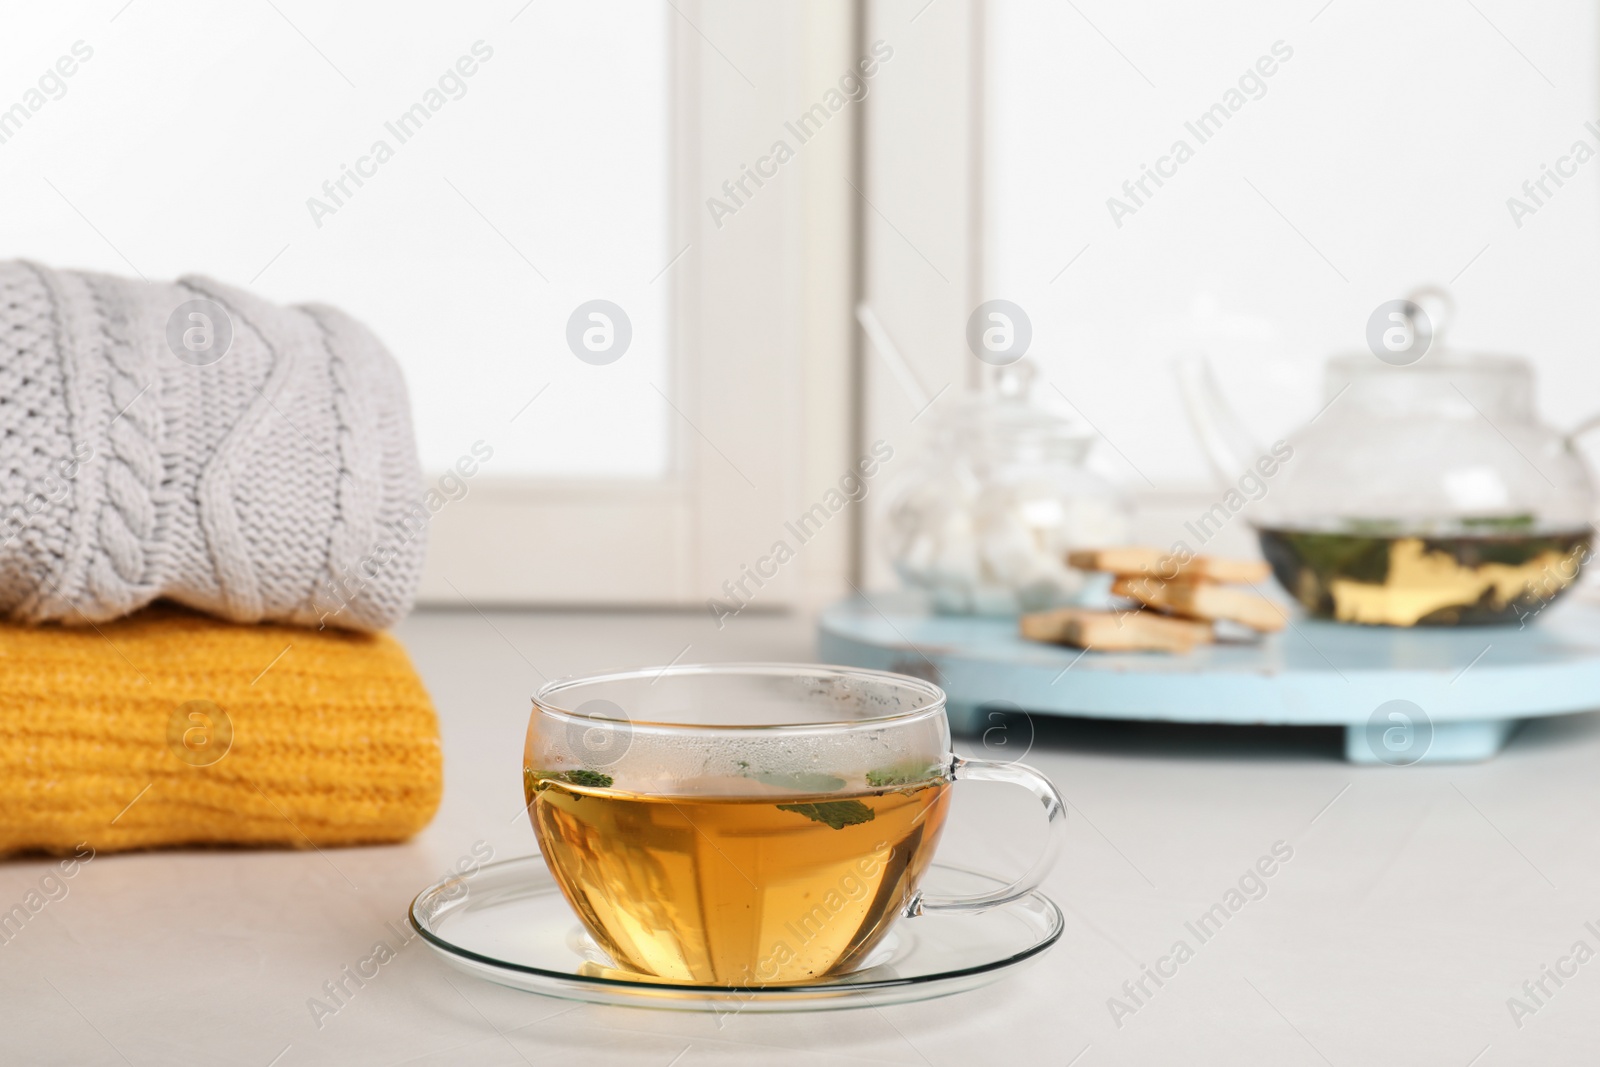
point(751, 824)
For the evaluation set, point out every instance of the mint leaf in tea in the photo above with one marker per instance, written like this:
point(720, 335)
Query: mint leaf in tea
point(835, 813)
point(531, 779)
point(902, 774)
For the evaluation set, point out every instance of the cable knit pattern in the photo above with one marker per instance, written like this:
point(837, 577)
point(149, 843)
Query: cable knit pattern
point(36, 516)
point(279, 482)
point(120, 569)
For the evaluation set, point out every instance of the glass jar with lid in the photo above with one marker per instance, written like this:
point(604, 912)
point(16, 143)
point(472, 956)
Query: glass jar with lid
point(984, 522)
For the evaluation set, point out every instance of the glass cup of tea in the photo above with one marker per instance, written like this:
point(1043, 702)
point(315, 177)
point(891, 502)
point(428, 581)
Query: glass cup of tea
point(751, 824)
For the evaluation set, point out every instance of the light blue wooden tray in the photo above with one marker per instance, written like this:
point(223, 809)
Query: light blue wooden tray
point(1469, 686)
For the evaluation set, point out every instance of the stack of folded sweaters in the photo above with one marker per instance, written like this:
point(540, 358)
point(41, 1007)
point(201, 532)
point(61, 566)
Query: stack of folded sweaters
point(210, 507)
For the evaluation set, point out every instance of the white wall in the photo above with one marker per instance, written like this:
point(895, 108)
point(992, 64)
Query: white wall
point(1391, 140)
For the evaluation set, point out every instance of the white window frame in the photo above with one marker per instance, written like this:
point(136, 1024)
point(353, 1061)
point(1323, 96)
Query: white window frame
point(761, 356)
point(922, 264)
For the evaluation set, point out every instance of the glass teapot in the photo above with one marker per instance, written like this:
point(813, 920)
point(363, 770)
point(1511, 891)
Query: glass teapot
point(1424, 492)
point(984, 523)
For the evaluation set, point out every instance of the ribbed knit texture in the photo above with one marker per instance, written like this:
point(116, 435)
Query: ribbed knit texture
point(279, 482)
point(334, 740)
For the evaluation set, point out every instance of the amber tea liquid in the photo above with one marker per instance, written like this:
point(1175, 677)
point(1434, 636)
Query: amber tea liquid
point(737, 890)
point(1499, 575)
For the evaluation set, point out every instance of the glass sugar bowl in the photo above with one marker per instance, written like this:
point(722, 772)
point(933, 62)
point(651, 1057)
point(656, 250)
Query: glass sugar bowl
point(984, 523)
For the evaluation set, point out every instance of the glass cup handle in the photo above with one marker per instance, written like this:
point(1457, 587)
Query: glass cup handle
point(1055, 813)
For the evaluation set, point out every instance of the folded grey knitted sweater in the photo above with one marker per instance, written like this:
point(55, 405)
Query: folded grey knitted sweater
point(249, 460)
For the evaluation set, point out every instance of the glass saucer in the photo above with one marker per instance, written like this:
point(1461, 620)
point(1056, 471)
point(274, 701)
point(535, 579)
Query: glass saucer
point(509, 923)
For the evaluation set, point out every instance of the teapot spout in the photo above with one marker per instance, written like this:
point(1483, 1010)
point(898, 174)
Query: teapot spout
point(1228, 445)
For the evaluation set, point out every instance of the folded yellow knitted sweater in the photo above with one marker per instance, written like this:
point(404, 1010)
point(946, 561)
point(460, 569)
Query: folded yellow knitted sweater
point(169, 728)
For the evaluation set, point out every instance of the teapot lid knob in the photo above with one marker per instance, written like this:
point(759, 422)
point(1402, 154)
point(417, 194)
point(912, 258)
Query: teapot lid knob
point(1437, 308)
point(1014, 381)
